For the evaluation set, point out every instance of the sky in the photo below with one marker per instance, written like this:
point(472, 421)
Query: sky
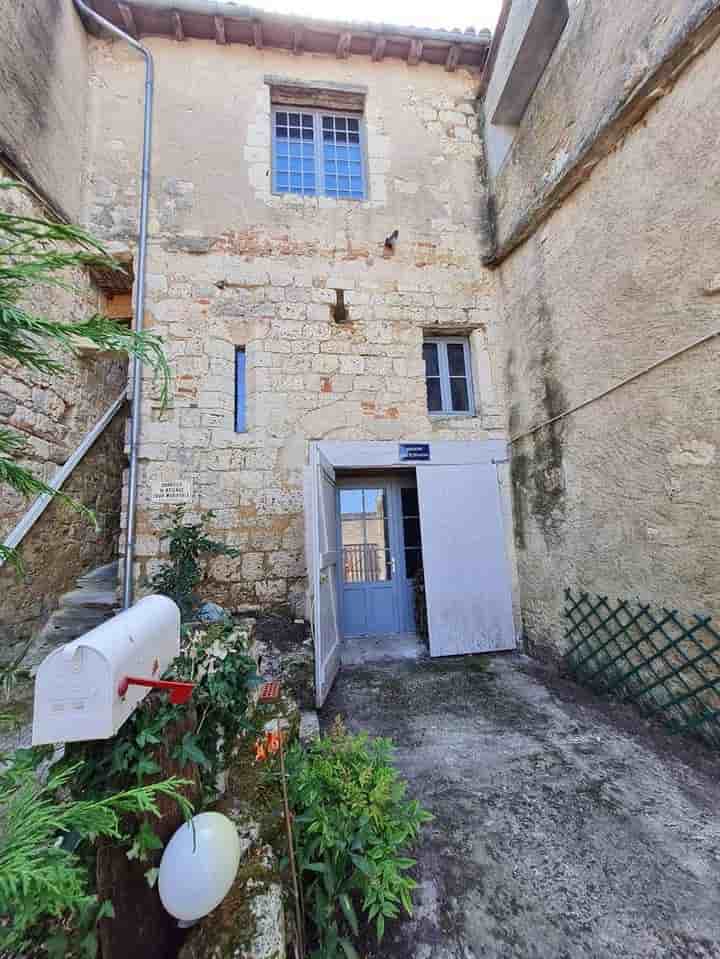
point(447, 15)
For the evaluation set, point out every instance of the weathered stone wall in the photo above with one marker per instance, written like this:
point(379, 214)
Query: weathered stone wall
point(43, 97)
point(63, 545)
point(231, 265)
point(620, 497)
point(53, 413)
point(603, 61)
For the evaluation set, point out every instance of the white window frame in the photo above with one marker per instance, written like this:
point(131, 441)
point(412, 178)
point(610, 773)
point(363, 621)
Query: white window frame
point(317, 116)
point(443, 368)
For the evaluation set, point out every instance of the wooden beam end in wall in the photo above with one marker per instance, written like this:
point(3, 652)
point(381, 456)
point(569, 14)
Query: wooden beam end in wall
point(453, 58)
point(343, 46)
point(178, 27)
point(379, 48)
point(257, 29)
point(415, 52)
point(128, 19)
point(220, 36)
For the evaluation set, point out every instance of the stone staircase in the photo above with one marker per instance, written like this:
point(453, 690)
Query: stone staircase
point(90, 604)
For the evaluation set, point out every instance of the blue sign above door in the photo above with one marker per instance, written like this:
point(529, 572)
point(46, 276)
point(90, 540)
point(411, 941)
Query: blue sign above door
point(414, 452)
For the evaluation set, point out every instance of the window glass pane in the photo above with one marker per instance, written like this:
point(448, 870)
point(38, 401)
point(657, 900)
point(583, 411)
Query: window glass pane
point(411, 529)
point(365, 536)
point(409, 498)
point(294, 133)
point(430, 355)
point(413, 562)
point(459, 394)
point(351, 502)
point(342, 161)
point(456, 359)
point(240, 403)
point(434, 396)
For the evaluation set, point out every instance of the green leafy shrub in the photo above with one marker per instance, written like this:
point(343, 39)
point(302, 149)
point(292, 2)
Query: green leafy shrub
point(189, 544)
point(217, 661)
point(44, 886)
point(353, 826)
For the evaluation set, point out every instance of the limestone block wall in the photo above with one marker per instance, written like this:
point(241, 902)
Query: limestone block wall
point(53, 414)
point(605, 56)
point(621, 497)
point(43, 97)
point(232, 265)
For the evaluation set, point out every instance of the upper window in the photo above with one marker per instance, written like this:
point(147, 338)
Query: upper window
point(318, 153)
point(447, 375)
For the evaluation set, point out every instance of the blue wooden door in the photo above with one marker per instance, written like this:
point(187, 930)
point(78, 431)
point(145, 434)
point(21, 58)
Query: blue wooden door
point(368, 539)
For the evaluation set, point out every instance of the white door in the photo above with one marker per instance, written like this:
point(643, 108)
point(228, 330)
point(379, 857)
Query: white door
point(323, 540)
point(467, 573)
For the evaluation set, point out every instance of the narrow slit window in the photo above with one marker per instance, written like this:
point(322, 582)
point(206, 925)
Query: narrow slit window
point(240, 393)
point(447, 376)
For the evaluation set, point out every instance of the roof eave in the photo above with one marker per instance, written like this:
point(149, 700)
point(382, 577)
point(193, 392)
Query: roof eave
point(229, 22)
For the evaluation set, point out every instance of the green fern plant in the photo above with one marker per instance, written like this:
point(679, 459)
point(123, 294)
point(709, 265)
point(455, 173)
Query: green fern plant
point(37, 253)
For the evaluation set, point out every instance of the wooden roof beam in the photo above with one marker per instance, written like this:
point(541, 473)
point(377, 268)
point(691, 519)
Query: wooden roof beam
point(257, 29)
point(379, 48)
point(415, 52)
point(178, 27)
point(128, 20)
point(220, 36)
point(343, 45)
point(453, 58)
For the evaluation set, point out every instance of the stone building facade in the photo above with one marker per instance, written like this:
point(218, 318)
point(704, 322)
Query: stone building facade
point(43, 110)
point(605, 259)
point(548, 200)
point(234, 265)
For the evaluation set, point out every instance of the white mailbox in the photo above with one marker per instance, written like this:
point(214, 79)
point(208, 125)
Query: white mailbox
point(81, 689)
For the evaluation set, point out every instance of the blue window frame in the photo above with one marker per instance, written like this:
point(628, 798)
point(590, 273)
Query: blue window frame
point(317, 153)
point(240, 400)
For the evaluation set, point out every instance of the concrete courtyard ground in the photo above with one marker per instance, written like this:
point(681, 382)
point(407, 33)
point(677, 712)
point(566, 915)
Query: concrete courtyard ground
point(565, 827)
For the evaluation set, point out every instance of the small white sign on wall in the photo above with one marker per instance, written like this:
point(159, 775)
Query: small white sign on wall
point(172, 492)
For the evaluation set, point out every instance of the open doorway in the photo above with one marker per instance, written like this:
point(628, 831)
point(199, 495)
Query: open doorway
point(373, 522)
point(380, 547)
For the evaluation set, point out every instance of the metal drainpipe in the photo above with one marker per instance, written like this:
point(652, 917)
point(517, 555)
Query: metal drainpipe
point(139, 306)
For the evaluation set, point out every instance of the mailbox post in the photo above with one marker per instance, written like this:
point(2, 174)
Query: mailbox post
point(86, 689)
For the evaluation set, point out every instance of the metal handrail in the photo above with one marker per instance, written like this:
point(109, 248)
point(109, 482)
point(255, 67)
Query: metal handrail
point(16, 536)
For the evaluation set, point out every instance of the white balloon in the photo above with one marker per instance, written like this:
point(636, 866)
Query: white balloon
point(199, 866)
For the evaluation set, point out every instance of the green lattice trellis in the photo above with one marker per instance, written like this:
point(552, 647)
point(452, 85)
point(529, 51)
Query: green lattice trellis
point(655, 658)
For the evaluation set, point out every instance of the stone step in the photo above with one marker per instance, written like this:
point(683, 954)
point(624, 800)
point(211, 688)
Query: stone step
point(104, 599)
point(102, 577)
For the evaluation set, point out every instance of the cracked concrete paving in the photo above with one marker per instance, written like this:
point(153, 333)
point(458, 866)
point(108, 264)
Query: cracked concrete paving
point(565, 827)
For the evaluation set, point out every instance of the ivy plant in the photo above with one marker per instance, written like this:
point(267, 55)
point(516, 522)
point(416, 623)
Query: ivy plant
point(353, 827)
